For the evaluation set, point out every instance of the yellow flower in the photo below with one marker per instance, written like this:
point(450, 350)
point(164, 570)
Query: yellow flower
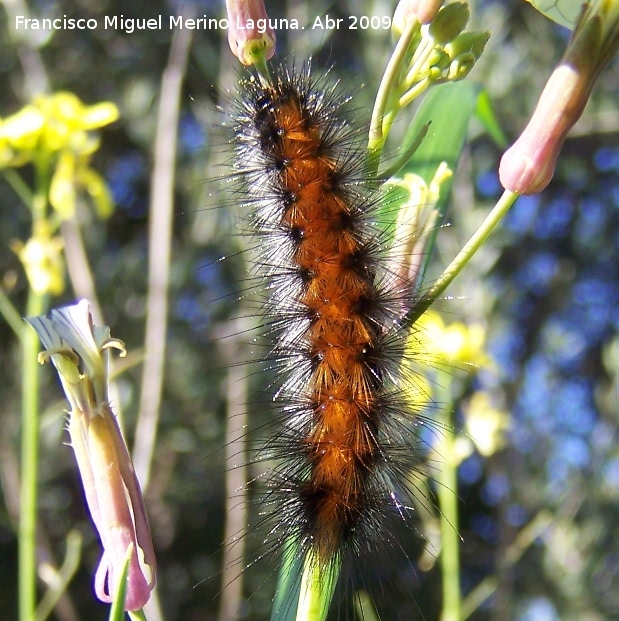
point(456, 342)
point(485, 424)
point(19, 135)
point(62, 188)
point(42, 259)
point(58, 130)
point(72, 173)
point(52, 123)
point(68, 122)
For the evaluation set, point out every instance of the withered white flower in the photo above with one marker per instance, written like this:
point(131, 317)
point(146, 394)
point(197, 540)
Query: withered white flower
point(78, 349)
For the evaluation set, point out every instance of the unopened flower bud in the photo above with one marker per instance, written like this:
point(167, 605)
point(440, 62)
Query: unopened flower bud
point(460, 68)
point(417, 217)
point(250, 35)
point(422, 10)
point(450, 22)
point(528, 166)
point(468, 43)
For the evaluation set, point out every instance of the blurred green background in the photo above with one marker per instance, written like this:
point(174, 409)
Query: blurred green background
point(539, 517)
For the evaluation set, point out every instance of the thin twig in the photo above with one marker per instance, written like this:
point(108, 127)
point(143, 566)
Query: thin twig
point(58, 579)
point(160, 239)
point(35, 76)
point(464, 256)
point(236, 476)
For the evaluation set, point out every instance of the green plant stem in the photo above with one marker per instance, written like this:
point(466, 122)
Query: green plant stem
point(526, 537)
point(10, 314)
point(36, 305)
point(464, 256)
point(413, 93)
point(317, 588)
point(378, 128)
point(450, 540)
point(263, 71)
point(18, 184)
point(117, 609)
point(364, 607)
point(29, 463)
point(405, 156)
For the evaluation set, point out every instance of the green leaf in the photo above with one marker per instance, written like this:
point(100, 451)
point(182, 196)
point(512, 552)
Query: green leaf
point(563, 12)
point(447, 109)
point(485, 115)
point(287, 592)
point(117, 611)
point(298, 571)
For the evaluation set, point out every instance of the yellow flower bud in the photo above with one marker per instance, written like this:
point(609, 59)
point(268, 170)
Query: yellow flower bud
point(43, 261)
point(97, 189)
point(62, 187)
point(450, 22)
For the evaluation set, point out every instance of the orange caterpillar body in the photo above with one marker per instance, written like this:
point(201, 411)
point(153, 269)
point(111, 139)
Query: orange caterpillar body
point(336, 320)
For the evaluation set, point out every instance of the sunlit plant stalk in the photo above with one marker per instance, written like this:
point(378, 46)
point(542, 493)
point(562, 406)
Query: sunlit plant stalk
point(464, 256)
point(29, 462)
point(27, 569)
point(448, 517)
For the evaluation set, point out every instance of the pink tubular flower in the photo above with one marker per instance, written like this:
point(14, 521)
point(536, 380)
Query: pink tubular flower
point(527, 167)
point(250, 35)
point(116, 506)
point(78, 350)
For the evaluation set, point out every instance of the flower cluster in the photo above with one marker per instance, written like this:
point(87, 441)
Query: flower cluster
point(54, 134)
point(462, 344)
point(78, 349)
point(56, 131)
point(440, 49)
point(432, 48)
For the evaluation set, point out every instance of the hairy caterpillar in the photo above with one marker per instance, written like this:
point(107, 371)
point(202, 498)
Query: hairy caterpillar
point(336, 324)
